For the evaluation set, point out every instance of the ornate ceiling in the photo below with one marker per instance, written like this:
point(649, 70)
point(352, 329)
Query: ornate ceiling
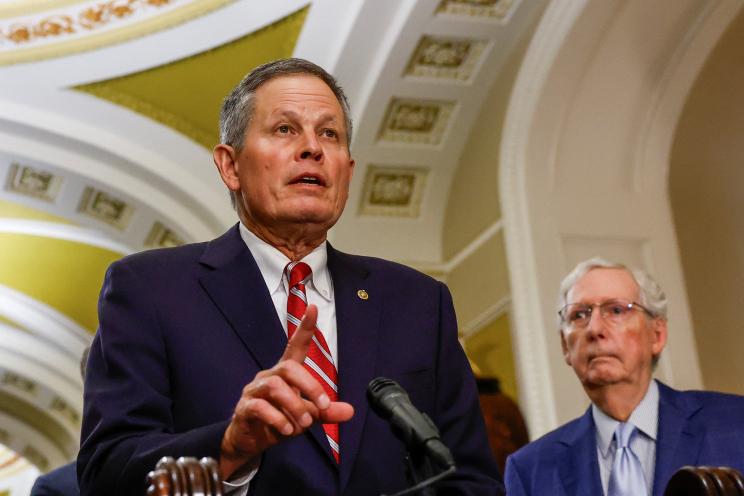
point(108, 112)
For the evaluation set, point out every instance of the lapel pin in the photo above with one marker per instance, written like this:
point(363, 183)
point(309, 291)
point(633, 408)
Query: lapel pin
point(362, 294)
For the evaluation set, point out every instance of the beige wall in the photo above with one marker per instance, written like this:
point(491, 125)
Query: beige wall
point(706, 183)
point(473, 202)
point(480, 283)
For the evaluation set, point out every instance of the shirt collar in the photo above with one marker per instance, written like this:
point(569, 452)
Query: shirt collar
point(271, 263)
point(645, 417)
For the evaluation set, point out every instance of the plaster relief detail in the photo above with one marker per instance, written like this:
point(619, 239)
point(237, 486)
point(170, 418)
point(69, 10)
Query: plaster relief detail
point(416, 121)
point(32, 32)
point(61, 407)
point(15, 381)
point(493, 9)
point(109, 209)
point(161, 236)
point(446, 58)
point(33, 182)
point(393, 191)
point(78, 21)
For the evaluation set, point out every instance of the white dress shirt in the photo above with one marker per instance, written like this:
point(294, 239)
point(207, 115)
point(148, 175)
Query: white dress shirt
point(319, 289)
point(645, 417)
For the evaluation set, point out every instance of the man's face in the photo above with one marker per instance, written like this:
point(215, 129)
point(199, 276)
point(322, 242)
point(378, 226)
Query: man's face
point(295, 166)
point(604, 353)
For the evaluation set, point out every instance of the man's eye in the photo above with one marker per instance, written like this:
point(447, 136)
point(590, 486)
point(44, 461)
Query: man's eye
point(616, 309)
point(329, 133)
point(284, 129)
point(578, 315)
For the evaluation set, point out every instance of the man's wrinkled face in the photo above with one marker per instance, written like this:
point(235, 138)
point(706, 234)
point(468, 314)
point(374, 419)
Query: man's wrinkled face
point(295, 166)
point(605, 353)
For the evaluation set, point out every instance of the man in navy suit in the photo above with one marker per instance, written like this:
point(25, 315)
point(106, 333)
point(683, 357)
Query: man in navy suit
point(192, 359)
point(613, 329)
point(61, 481)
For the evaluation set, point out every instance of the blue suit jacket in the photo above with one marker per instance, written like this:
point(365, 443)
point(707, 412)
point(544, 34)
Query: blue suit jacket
point(183, 330)
point(59, 482)
point(695, 428)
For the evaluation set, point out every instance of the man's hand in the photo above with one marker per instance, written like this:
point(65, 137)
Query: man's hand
point(280, 402)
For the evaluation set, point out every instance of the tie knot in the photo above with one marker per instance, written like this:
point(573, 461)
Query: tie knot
point(297, 272)
point(624, 433)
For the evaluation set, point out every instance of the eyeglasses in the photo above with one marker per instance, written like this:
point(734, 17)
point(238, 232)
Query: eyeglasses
point(578, 315)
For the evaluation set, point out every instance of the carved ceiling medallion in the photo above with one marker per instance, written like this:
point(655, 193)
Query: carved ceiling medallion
point(393, 191)
point(446, 58)
point(416, 121)
point(493, 9)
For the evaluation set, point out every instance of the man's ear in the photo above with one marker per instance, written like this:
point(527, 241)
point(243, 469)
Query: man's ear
point(227, 165)
point(659, 329)
point(564, 347)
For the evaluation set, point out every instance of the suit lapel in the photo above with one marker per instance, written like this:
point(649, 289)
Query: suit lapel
point(578, 468)
point(237, 288)
point(357, 322)
point(679, 437)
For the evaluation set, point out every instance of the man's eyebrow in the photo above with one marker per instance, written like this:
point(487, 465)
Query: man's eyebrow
point(291, 114)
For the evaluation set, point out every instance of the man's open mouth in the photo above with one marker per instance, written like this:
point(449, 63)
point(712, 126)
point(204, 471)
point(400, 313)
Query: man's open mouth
point(307, 179)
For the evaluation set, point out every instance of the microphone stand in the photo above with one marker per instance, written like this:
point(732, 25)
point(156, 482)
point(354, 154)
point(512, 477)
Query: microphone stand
point(421, 474)
point(418, 470)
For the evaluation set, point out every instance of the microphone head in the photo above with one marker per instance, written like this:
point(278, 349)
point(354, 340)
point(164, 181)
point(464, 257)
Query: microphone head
point(382, 394)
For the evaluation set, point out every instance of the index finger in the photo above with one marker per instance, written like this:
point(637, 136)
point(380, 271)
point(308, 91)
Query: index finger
point(300, 342)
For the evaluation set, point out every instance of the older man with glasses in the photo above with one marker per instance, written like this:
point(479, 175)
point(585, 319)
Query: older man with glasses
point(638, 431)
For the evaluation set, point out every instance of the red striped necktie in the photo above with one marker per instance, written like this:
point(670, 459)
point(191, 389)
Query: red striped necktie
point(318, 361)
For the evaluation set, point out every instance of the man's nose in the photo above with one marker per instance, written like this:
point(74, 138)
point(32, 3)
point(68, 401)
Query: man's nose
point(310, 147)
point(596, 325)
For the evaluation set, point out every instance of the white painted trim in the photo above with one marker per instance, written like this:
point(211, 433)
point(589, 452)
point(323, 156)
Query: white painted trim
point(53, 327)
point(473, 246)
point(446, 267)
point(528, 328)
point(63, 231)
point(487, 316)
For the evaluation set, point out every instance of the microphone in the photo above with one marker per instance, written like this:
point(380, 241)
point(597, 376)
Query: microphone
point(390, 401)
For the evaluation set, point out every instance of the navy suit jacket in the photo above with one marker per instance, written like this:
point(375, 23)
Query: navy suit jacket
point(695, 428)
point(183, 330)
point(59, 482)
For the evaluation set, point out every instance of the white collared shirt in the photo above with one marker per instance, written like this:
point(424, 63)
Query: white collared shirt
point(645, 417)
point(319, 289)
point(271, 263)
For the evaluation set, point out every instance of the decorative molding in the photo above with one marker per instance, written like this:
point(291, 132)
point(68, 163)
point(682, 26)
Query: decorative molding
point(442, 270)
point(473, 246)
point(19, 383)
point(17, 8)
point(44, 322)
point(499, 10)
point(66, 232)
point(446, 58)
point(105, 207)
point(62, 408)
point(78, 20)
point(487, 316)
point(34, 182)
point(112, 220)
point(91, 25)
point(528, 328)
point(161, 236)
point(414, 121)
point(393, 191)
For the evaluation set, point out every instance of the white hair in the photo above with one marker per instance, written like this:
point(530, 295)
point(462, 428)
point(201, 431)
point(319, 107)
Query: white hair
point(651, 295)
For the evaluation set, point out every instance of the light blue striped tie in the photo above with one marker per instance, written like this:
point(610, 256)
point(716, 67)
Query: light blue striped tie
point(627, 477)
